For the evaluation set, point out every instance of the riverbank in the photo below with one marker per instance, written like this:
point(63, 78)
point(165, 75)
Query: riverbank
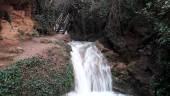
point(37, 46)
point(41, 67)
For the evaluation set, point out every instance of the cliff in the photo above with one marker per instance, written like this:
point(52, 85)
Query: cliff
point(15, 20)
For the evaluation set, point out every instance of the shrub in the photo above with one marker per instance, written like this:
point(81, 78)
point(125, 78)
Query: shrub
point(157, 12)
point(45, 14)
point(35, 77)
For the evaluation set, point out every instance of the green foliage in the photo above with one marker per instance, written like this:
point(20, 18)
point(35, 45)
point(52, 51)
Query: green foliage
point(45, 15)
point(35, 77)
point(88, 18)
point(161, 81)
point(129, 8)
point(164, 33)
point(156, 11)
point(10, 82)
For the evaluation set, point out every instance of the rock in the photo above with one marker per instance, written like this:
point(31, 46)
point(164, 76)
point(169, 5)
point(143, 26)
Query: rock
point(101, 47)
point(21, 20)
point(121, 66)
point(20, 49)
point(16, 50)
point(45, 41)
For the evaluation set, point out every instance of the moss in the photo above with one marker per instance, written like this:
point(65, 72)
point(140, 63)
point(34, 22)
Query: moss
point(35, 77)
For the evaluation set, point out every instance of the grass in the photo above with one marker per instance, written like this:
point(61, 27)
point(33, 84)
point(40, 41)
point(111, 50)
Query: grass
point(35, 77)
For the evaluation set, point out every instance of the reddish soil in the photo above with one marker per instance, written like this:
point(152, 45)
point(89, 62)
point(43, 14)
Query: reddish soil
point(35, 47)
point(21, 23)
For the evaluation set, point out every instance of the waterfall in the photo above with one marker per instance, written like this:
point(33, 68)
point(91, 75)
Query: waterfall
point(91, 72)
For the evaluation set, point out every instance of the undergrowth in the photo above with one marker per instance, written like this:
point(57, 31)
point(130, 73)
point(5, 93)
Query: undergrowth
point(35, 77)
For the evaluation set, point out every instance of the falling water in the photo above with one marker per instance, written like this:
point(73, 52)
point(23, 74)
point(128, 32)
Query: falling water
point(91, 72)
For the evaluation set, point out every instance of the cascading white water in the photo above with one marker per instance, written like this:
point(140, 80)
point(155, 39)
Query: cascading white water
point(91, 72)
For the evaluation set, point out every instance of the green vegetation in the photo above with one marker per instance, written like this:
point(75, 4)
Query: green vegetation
point(144, 32)
point(35, 77)
point(161, 81)
point(45, 14)
point(157, 12)
point(5, 15)
point(152, 15)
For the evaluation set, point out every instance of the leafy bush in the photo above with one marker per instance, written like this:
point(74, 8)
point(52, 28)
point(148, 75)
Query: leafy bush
point(45, 14)
point(35, 77)
point(10, 82)
point(161, 81)
point(157, 12)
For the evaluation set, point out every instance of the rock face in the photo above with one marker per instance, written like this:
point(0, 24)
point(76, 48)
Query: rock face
point(18, 23)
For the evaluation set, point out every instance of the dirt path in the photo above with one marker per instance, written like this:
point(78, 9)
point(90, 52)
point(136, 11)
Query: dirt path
point(34, 47)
